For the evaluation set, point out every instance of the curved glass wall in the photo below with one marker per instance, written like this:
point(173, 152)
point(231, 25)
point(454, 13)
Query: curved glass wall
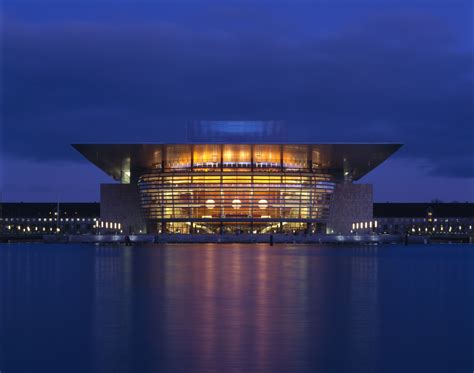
point(257, 199)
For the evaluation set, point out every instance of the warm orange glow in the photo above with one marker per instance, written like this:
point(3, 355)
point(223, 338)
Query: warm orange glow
point(295, 156)
point(236, 204)
point(263, 204)
point(215, 156)
point(210, 204)
point(267, 155)
point(230, 195)
point(206, 155)
point(235, 154)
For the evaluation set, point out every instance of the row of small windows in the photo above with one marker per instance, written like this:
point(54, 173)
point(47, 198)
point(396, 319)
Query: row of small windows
point(49, 219)
point(411, 227)
point(420, 220)
point(80, 224)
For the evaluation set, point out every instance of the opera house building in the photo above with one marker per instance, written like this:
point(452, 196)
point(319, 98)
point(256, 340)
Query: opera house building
point(249, 186)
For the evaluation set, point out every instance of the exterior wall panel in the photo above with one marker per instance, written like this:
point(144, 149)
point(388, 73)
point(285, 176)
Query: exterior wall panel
point(350, 203)
point(121, 203)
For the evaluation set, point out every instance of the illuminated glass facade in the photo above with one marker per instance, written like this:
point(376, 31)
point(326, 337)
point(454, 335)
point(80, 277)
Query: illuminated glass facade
point(216, 188)
point(233, 187)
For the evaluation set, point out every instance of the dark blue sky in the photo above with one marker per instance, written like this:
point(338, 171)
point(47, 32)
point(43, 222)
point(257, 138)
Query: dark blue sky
point(137, 71)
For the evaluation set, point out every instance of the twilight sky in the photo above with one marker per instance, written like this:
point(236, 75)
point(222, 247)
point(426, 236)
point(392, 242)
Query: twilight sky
point(137, 71)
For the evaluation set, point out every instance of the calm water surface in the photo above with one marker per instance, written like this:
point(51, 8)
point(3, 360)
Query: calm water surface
point(236, 308)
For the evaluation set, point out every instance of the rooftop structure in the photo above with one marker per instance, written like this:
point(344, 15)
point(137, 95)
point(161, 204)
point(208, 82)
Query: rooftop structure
point(122, 161)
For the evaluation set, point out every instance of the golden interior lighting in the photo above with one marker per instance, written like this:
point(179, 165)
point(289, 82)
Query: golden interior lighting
point(232, 196)
point(263, 204)
point(210, 204)
point(236, 204)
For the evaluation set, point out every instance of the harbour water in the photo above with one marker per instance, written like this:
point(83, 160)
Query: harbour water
point(236, 308)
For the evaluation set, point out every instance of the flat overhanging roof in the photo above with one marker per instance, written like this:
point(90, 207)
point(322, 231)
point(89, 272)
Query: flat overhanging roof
point(361, 157)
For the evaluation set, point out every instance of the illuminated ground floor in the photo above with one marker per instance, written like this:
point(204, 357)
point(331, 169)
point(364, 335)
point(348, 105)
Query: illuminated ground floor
point(225, 227)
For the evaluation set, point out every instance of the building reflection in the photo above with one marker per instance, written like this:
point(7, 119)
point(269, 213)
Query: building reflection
point(182, 308)
point(221, 308)
point(113, 274)
point(213, 308)
point(364, 315)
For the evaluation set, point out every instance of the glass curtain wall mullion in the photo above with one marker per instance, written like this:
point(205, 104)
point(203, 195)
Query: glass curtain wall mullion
point(281, 201)
point(173, 211)
point(300, 196)
point(191, 193)
point(221, 195)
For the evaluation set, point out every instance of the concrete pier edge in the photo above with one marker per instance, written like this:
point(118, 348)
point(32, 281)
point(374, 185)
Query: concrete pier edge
point(241, 238)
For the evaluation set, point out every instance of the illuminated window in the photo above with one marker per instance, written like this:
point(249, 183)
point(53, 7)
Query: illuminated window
point(206, 156)
point(236, 204)
point(295, 156)
point(262, 204)
point(210, 204)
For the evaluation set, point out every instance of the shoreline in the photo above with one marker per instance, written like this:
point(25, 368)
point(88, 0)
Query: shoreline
point(252, 238)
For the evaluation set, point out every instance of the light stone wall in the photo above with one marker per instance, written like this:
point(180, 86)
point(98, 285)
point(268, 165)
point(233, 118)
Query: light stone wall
point(121, 203)
point(350, 203)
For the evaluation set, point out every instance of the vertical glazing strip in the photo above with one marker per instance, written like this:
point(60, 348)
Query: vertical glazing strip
point(162, 190)
point(221, 192)
point(163, 158)
point(310, 157)
point(301, 194)
point(191, 190)
point(173, 214)
point(252, 146)
point(222, 159)
point(252, 190)
point(282, 202)
point(281, 158)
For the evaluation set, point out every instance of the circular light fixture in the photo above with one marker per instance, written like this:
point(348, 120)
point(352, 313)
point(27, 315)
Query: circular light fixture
point(210, 204)
point(263, 204)
point(236, 204)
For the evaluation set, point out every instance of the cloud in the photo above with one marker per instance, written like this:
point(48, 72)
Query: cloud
point(401, 77)
point(38, 181)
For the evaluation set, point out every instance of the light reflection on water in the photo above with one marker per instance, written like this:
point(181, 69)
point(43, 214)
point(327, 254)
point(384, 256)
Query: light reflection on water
point(236, 308)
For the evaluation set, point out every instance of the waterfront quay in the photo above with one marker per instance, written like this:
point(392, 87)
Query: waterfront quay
point(260, 238)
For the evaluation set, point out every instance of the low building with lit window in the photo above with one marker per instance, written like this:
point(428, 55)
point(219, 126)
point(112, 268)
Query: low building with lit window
point(424, 218)
point(43, 218)
point(420, 219)
point(19, 218)
point(246, 184)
